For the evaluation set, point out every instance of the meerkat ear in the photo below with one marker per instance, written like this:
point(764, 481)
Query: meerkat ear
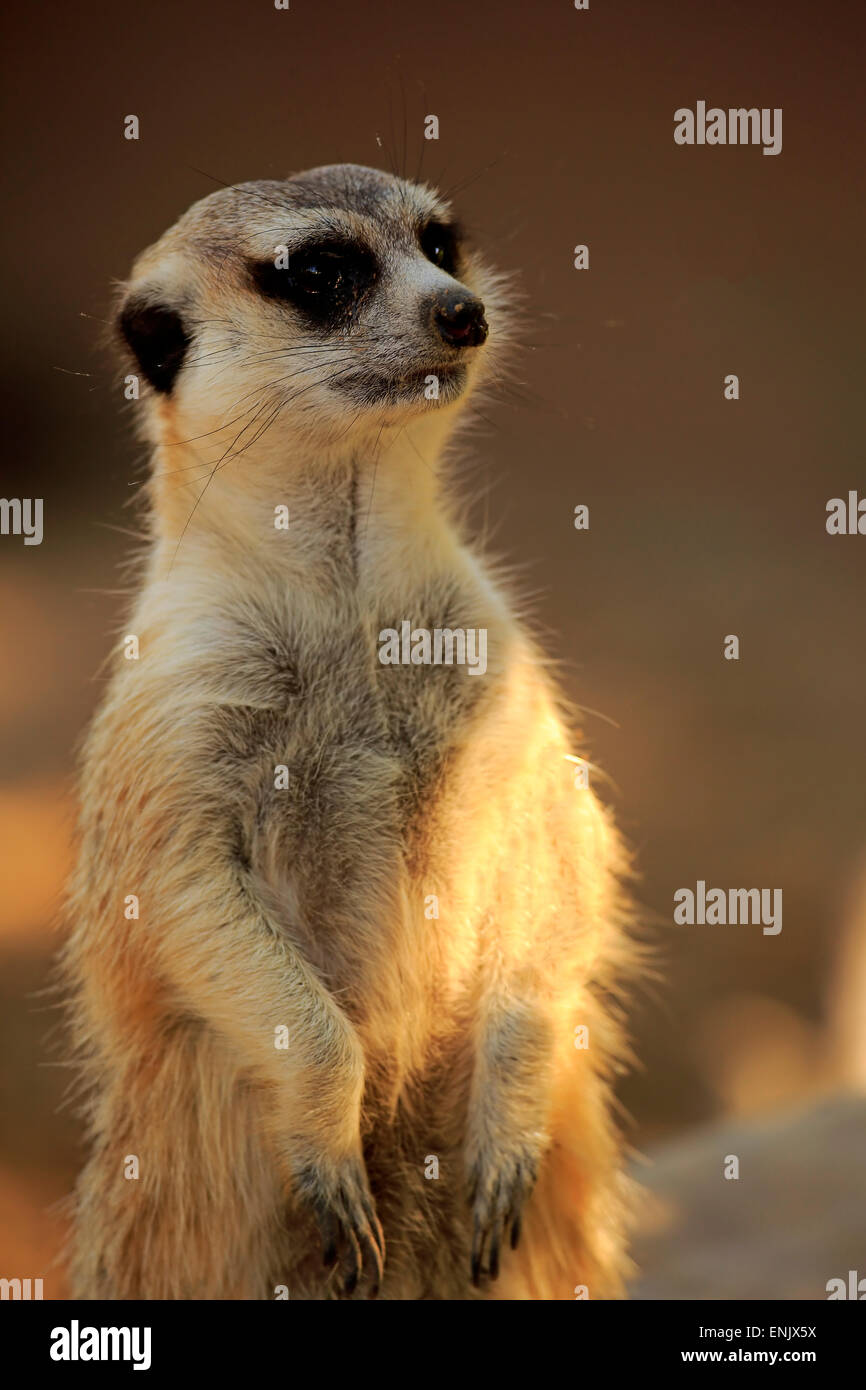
point(156, 336)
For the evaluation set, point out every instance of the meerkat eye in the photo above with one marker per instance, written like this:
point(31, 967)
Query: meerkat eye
point(318, 271)
point(324, 280)
point(439, 244)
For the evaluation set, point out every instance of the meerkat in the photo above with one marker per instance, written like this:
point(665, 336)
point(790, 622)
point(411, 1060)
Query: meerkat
point(347, 943)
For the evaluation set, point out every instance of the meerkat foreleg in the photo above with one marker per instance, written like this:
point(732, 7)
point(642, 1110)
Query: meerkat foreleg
point(508, 1122)
point(246, 982)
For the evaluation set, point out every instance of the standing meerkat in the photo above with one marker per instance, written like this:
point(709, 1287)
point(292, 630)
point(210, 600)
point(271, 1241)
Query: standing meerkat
point(336, 918)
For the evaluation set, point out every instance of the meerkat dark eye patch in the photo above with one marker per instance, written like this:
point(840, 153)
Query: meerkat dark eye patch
point(440, 242)
point(324, 280)
point(157, 338)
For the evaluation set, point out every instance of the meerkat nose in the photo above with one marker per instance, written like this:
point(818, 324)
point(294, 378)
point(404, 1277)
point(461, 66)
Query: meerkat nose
point(459, 319)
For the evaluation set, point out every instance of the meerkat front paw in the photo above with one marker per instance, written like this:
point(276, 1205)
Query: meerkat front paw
point(352, 1239)
point(500, 1184)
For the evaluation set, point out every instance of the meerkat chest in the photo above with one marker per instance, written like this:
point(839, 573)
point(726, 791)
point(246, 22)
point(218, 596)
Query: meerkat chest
point(403, 681)
point(332, 742)
point(354, 709)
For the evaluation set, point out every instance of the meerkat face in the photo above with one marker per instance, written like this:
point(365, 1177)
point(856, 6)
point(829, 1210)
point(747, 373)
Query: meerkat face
point(339, 297)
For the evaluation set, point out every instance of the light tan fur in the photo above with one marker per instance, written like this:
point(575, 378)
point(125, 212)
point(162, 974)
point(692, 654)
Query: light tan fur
point(409, 1036)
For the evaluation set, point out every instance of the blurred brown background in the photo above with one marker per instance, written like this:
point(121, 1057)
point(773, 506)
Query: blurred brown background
point(707, 516)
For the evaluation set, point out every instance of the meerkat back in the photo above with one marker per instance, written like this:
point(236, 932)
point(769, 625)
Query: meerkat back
point(348, 926)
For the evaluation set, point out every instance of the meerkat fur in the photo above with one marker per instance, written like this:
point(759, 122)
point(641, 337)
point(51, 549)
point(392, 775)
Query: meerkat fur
point(425, 909)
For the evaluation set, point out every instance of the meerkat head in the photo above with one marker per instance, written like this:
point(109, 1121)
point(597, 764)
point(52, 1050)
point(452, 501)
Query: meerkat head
point(337, 300)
